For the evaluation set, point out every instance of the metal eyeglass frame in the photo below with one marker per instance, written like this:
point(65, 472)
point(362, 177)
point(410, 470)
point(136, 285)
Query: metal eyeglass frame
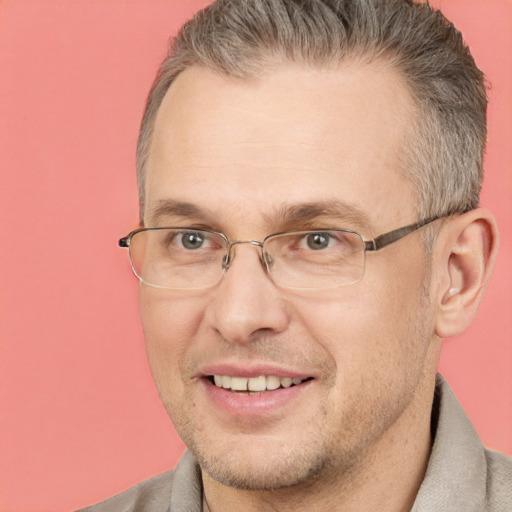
point(376, 244)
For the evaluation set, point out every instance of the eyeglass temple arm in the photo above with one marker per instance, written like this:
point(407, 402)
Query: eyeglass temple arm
point(395, 235)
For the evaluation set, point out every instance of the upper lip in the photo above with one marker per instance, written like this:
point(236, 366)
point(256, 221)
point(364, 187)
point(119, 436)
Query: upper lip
point(250, 370)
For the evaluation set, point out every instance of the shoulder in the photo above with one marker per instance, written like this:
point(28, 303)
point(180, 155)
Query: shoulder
point(151, 495)
point(499, 481)
point(462, 475)
point(180, 489)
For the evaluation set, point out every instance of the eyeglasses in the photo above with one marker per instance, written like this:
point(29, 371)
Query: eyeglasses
point(188, 258)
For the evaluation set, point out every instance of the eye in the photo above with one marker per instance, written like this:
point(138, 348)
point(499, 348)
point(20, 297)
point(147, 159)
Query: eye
point(191, 240)
point(318, 241)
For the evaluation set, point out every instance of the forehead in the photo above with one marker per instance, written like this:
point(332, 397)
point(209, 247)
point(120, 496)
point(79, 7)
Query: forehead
point(242, 148)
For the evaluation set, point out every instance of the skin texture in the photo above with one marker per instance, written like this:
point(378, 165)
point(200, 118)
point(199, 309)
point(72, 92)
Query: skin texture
point(358, 433)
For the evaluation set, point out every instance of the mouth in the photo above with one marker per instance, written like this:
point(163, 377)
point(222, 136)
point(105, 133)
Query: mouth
point(255, 385)
point(261, 392)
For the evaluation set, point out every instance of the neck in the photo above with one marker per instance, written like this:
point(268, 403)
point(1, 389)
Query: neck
point(386, 478)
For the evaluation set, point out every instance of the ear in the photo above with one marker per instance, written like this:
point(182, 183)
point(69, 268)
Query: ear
point(466, 248)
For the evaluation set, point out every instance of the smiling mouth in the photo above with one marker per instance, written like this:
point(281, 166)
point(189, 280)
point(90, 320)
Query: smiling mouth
point(255, 385)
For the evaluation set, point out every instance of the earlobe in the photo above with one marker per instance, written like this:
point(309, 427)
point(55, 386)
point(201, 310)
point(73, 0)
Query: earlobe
point(468, 248)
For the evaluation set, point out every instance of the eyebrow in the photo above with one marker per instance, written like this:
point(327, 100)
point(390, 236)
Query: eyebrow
point(307, 213)
point(294, 215)
point(171, 207)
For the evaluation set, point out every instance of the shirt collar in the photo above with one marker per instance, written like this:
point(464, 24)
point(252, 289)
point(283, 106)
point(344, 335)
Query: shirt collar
point(456, 476)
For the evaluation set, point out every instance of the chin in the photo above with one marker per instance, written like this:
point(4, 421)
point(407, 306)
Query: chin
point(262, 475)
point(260, 466)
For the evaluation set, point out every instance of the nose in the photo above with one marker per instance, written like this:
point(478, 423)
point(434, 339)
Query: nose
point(246, 304)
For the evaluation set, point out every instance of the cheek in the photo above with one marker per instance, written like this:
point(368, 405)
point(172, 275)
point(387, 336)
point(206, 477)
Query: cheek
point(351, 320)
point(369, 330)
point(167, 315)
point(170, 323)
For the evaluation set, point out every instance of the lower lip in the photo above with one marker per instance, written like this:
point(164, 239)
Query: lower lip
point(246, 405)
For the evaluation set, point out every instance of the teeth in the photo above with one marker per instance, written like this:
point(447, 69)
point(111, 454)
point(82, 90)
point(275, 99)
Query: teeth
point(286, 382)
point(238, 384)
point(256, 384)
point(273, 382)
point(226, 382)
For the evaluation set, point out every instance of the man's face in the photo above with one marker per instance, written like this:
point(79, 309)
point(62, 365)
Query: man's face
point(248, 156)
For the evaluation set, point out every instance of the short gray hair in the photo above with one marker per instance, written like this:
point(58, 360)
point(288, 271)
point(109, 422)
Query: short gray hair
point(443, 158)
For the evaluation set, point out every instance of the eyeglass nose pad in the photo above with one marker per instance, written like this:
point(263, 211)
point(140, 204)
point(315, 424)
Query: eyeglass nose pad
point(226, 261)
point(268, 260)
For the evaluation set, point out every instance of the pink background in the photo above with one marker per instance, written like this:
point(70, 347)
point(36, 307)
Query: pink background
point(80, 419)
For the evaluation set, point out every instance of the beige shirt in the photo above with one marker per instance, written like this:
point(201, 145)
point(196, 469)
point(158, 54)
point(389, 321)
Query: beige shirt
point(462, 476)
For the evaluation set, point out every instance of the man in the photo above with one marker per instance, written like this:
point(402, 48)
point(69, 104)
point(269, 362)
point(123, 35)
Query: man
point(309, 176)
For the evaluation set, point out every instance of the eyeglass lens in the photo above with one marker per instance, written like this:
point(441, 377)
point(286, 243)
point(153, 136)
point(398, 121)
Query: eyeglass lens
point(186, 259)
